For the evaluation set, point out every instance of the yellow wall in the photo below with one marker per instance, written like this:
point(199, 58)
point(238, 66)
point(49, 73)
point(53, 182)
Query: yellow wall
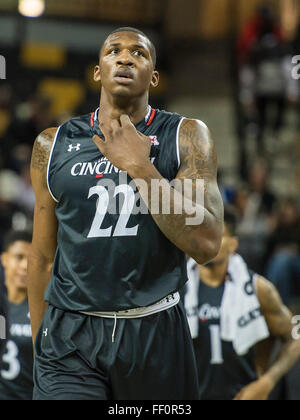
point(214, 19)
point(218, 17)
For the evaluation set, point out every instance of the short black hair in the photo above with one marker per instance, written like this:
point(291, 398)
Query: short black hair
point(231, 220)
point(14, 236)
point(137, 31)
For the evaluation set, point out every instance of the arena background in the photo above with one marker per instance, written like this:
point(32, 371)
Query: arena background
point(208, 71)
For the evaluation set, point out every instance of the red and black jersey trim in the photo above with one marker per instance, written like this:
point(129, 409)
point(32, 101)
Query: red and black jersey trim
point(149, 118)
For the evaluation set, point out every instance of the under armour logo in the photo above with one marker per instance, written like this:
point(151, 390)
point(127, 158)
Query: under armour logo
point(154, 140)
point(77, 147)
point(45, 332)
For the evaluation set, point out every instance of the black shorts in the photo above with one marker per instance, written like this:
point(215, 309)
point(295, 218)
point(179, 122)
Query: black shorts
point(151, 358)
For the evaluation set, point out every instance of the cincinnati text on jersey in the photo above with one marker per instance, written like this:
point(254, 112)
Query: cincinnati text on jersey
point(101, 167)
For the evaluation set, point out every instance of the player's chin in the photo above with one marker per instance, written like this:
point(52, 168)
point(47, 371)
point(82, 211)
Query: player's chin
point(125, 91)
point(22, 286)
point(215, 262)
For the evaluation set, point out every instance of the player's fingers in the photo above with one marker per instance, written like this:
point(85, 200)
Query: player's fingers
point(99, 142)
point(142, 136)
point(98, 139)
point(115, 126)
point(106, 130)
point(126, 122)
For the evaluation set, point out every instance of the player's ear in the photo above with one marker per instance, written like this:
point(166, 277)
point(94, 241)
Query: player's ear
point(234, 244)
point(97, 76)
point(155, 79)
point(4, 259)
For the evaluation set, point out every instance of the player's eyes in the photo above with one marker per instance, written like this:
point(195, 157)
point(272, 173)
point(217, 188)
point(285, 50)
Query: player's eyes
point(114, 51)
point(138, 53)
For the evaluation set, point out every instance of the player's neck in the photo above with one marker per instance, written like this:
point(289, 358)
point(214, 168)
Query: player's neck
point(16, 296)
point(214, 275)
point(113, 107)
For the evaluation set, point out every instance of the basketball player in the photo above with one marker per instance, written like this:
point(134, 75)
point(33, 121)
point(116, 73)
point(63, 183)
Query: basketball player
point(113, 328)
point(16, 366)
point(224, 372)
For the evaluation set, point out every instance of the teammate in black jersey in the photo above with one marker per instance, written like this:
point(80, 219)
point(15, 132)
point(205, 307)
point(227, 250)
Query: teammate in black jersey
point(223, 373)
point(113, 329)
point(16, 366)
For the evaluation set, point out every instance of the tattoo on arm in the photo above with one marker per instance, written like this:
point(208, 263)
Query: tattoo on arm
point(199, 158)
point(42, 149)
point(199, 161)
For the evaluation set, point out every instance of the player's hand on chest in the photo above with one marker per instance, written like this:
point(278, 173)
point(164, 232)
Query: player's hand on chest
point(124, 146)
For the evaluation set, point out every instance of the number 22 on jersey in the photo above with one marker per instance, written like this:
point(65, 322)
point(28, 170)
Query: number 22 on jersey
point(121, 228)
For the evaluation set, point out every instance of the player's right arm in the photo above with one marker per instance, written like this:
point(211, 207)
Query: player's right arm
point(279, 321)
point(44, 241)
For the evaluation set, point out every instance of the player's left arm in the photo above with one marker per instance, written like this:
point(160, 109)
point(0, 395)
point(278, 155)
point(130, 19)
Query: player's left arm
point(199, 163)
point(279, 321)
point(195, 221)
point(198, 236)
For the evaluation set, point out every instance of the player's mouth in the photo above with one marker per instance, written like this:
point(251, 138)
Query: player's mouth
point(123, 76)
point(22, 278)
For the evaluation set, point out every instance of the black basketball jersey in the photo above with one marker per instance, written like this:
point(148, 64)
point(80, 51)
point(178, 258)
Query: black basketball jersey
point(16, 366)
point(222, 373)
point(110, 257)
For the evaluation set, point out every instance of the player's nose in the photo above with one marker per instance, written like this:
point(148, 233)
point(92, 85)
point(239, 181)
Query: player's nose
point(24, 264)
point(125, 58)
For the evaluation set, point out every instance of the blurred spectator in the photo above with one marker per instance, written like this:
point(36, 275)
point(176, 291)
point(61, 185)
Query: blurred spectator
point(16, 201)
point(296, 42)
point(5, 116)
point(283, 251)
point(228, 192)
point(250, 32)
point(31, 119)
point(26, 197)
point(268, 60)
point(255, 204)
point(247, 78)
point(296, 51)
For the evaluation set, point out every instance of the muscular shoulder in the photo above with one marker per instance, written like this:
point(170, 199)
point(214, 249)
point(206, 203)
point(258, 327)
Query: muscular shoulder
point(277, 315)
point(197, 150)
point(268, 295)
point(195, 127)
point(42, 149)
